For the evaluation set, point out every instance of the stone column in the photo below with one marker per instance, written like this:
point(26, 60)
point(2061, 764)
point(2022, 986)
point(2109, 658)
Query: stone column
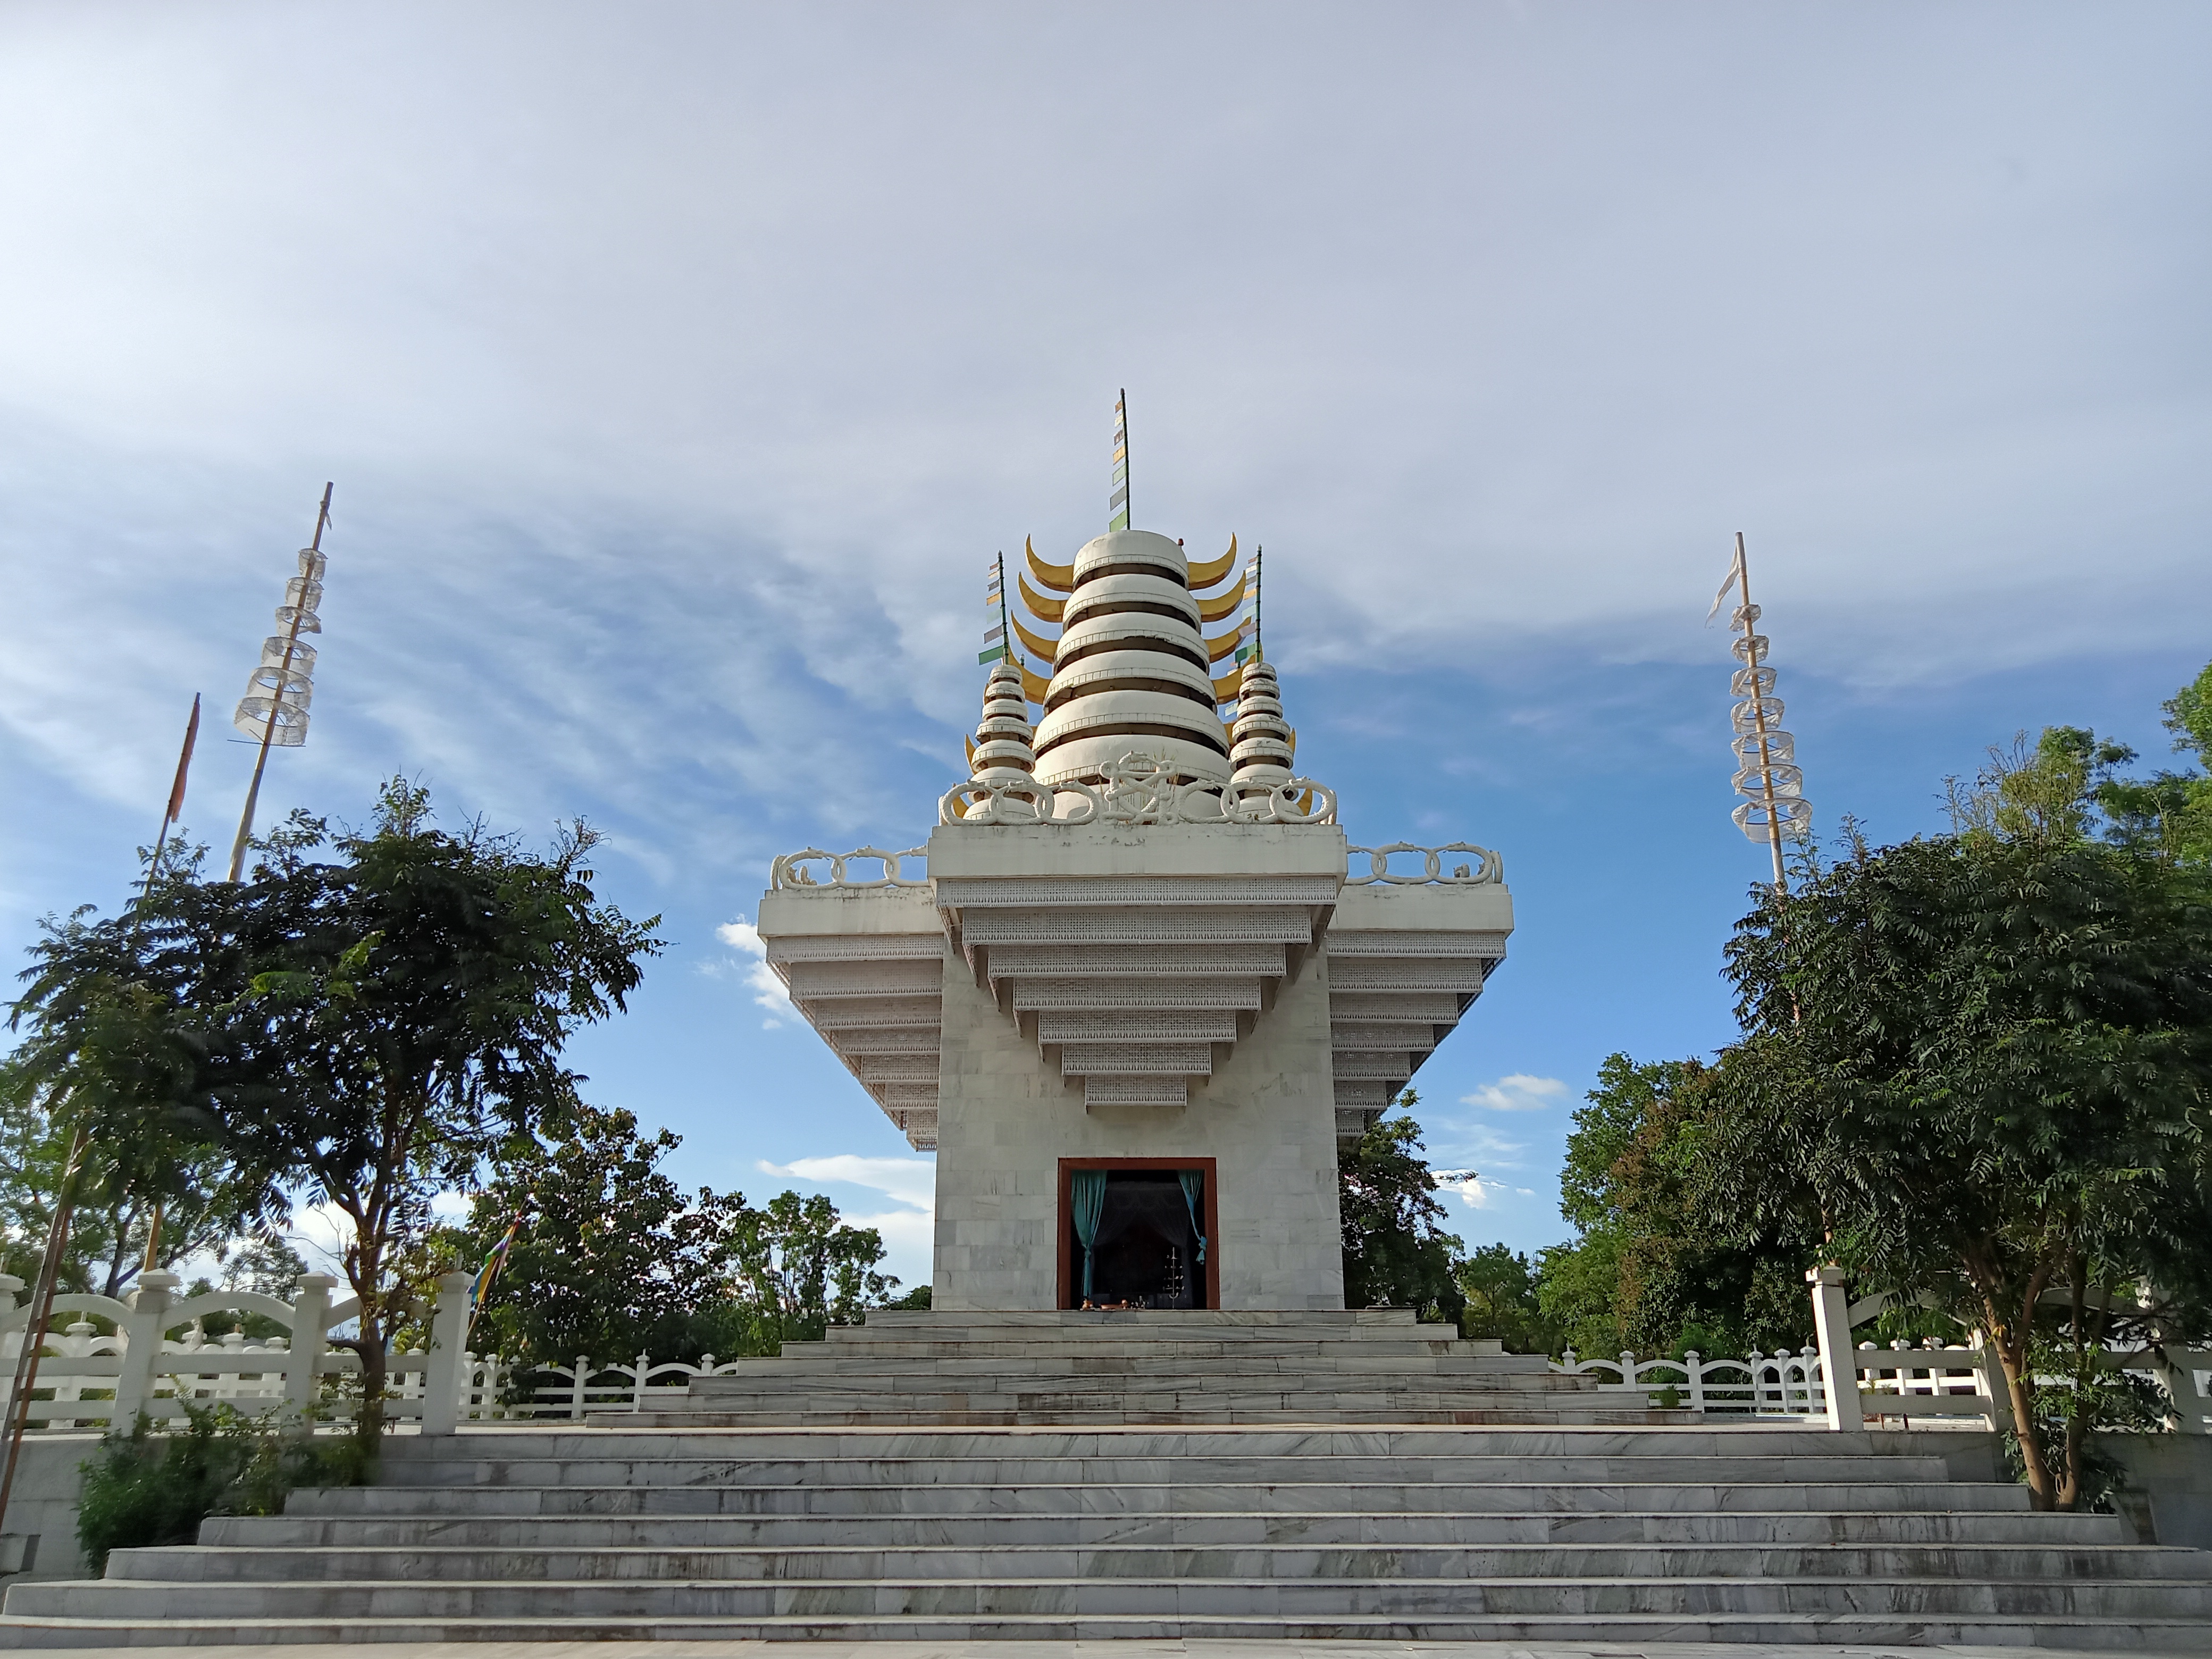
point(311, 1315)
point(447, 1370)
point(1832, 1330)
point(143, 1328)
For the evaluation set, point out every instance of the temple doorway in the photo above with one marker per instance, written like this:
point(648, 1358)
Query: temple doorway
point(1137, 1232)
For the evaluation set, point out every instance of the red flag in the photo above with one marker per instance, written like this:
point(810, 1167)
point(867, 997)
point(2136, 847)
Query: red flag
point(184, 765)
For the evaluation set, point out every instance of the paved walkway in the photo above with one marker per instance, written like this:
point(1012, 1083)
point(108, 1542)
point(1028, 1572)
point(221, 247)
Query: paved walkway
point(1131, 1650)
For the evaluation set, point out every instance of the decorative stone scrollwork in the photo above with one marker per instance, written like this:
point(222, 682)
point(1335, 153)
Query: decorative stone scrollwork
point(989, 800)
point(1138, 788)
point(789, 870)
point(1486, 867)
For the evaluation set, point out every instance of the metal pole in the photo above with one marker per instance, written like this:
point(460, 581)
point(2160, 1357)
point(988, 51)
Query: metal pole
point(1758, 720)
point(169, 813)
point(34, 1329)
point(269, 731)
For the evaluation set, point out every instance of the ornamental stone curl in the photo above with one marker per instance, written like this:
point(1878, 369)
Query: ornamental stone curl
point(788, 871)
point(1136, 789)
point(1485, 865)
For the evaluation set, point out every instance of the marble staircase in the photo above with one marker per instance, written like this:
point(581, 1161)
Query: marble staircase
point(1544, 1534)
point(1184, 1367)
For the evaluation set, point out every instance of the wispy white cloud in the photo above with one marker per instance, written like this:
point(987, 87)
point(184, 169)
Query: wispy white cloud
point(768, 988)
point(909, 1180)
point(909, 1230)
point(1518, 1091)
point(1477, 1192)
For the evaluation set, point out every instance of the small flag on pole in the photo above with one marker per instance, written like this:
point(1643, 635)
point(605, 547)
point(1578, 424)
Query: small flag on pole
point(489, 1273)
point(1248, 625)
point(176, 806)
point(994, 606)
point(1117, 505)
point(184, 765)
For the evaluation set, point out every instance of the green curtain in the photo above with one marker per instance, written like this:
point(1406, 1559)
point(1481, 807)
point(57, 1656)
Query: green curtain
point(1090, 1193)
point(1193, 1192)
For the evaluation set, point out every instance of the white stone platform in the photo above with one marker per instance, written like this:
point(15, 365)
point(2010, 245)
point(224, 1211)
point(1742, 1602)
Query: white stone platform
point(1183, 1367)
point(1538, 1538)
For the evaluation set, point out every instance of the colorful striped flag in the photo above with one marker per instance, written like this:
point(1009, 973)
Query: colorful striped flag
point(1117, 505)
point(995, 605)
point(1248, 625)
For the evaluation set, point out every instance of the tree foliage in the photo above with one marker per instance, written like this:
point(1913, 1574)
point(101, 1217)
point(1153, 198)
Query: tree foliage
point(1500, 1286)
point(613, 1258)
point(362, 1023)
point(1654, 1271)
point(1976, 1065)
point(1397, 1253)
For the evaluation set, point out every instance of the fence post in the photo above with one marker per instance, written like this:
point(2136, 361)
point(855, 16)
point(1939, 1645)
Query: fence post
point(310, 1318)
point(576, 1404)
point(446, 1370)
point(142, 1329)
point(1839, 1361)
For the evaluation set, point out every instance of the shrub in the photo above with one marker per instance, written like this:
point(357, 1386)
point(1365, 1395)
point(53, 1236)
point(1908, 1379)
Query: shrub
point(144, 1489)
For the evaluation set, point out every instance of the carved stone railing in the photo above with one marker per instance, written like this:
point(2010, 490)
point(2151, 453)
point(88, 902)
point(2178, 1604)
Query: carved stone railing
point(1483, 865)
point(789, 870)
point(1137, 789)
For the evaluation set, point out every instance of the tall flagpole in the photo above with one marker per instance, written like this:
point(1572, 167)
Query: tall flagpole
point(1766, 767)
point(42, 1305)
point(1759, 719)
point(176, 795)
point(1117, 504)
point(43, 1290)
point(311, 581)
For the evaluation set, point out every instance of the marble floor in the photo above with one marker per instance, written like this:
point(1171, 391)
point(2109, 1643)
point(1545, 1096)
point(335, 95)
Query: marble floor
point(1128, 1650)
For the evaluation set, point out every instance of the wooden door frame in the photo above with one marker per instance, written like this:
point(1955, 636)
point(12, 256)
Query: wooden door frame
point(1209, 1219)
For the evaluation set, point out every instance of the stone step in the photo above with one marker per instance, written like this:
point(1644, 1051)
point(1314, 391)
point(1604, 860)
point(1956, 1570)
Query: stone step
point(1405, 1598)
point(1759, 1438)
point(876, 1497)
point(921, 1527)
point(1009, 1562)
point(1115, 1472)
point(2185, 1635)
point(1415, 1367)
point(1026, 1411)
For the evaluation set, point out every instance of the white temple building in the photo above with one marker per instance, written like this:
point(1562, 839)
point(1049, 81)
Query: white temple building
point(1143, 988)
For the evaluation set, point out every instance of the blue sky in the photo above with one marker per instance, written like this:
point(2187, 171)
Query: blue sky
point(678, 370)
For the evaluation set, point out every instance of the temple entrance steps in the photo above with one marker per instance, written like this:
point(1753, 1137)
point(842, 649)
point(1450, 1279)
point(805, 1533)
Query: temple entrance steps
point(1746, 1534)
point(1182, 1367)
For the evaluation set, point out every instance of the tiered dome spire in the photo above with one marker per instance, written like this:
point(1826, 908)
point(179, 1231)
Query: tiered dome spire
point(1261, 753)
point(1002, 753)
point(1132, 671)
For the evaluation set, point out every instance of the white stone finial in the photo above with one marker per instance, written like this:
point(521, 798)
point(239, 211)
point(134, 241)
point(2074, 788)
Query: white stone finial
point(1133, 668)
point(1261, 747)
point(1002, 754)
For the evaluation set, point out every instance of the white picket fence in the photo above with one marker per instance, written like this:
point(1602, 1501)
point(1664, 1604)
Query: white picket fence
point(645, 1384)
point(155, 1359)
point(1935, 1385)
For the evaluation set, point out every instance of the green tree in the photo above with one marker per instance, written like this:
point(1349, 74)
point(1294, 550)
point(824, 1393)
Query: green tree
point(1578, 1294)
point(1397, 1253)
point(364, 1022)
point(2171, 812)
point(1979, 1065)
point(113, 1066)
point(1634, 1183)
point(613, 1258)
point(1499, 1285)
point(795, 1267)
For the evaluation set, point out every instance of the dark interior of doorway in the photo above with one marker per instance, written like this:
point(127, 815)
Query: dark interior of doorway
point(1145, 1253)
